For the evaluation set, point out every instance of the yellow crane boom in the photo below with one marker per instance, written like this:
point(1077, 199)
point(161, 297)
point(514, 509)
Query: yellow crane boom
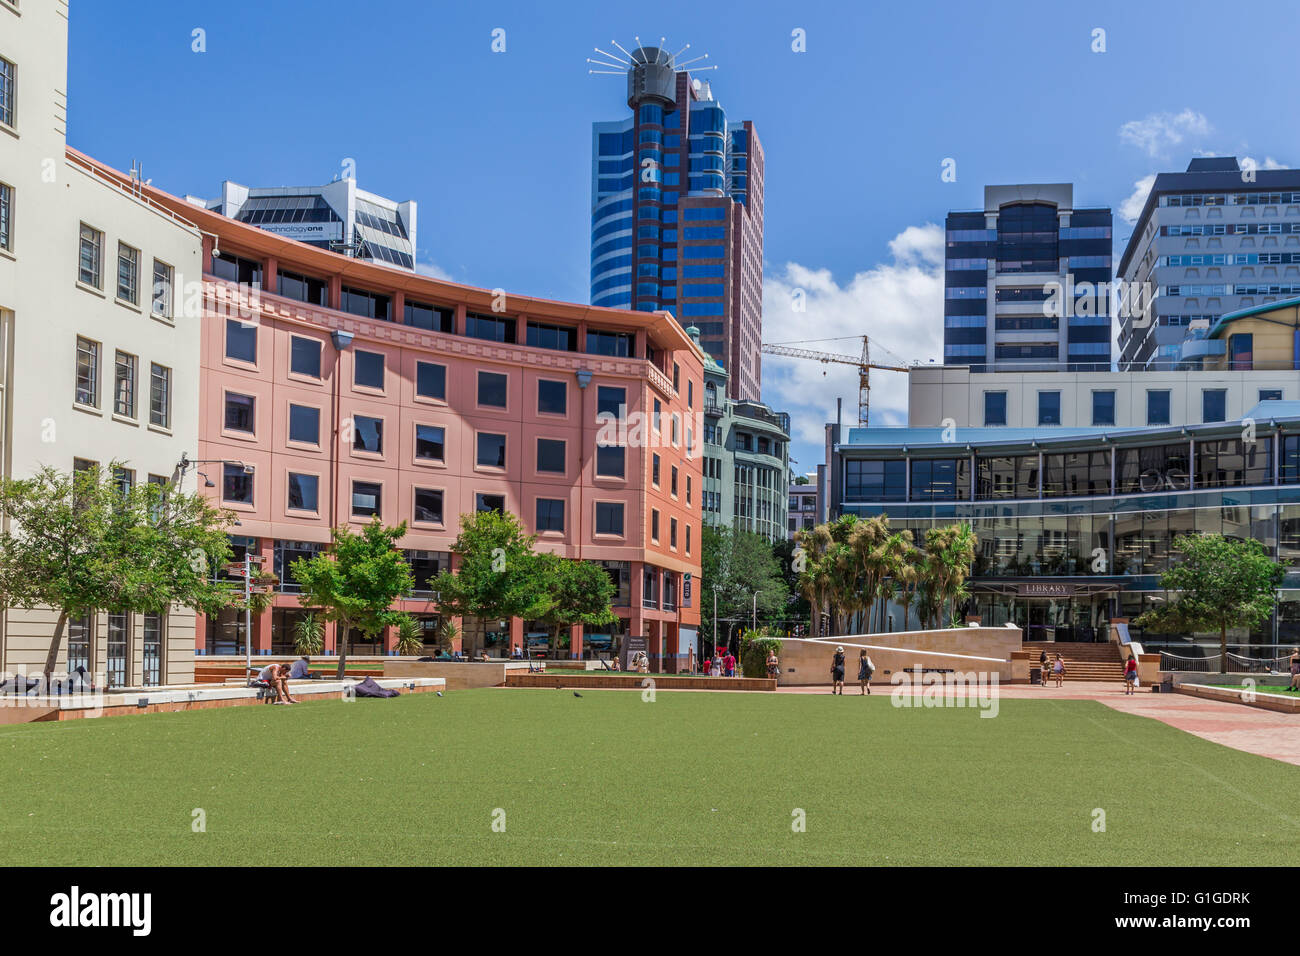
point(863, 364)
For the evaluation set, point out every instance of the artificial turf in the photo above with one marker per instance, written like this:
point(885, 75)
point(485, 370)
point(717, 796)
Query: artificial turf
point(608, 778)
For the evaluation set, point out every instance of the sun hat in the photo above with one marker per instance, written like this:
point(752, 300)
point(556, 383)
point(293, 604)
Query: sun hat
point(840, 649)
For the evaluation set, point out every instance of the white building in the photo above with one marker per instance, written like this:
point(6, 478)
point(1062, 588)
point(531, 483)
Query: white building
point(336, 216)
point(953, 394)
point(95, 366)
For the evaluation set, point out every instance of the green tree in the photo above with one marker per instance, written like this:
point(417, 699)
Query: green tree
point(498, 575)
point(579, 592)
point(1222, 583)
point(945, 566)
point(738, 563)
point(79, 542)
point(356, 581)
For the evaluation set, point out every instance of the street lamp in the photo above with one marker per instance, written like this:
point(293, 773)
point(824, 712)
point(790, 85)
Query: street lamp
point(753, 621)
point(716, 589)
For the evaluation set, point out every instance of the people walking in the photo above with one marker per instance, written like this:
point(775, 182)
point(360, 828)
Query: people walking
point(1295, 669)
point(865, 670)
point(837, 672)
point(1130, 673)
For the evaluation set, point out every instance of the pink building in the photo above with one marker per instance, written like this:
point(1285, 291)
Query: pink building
point(344, 389)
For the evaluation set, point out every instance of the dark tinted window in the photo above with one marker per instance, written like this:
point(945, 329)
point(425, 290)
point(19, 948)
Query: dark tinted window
point(303, 490)
point(611, 400)
point(428, 505)
point(609, 517)
point(610, 461)
point(1103, 408)
point(552, 397)
point(236, 484)
point(366, 498)
point(550, 514)
point(487, 327)
point(368, 369)
point(368, 434)
point(995, 408)
point(430, 442)
point(304, 424)
point(550, 455)
point(304, 356)
point(489, 502)
point(239, 412)
point(491, 450)
point(241, 341)
point(435, 318)
point(492, 389)
point(430, 380)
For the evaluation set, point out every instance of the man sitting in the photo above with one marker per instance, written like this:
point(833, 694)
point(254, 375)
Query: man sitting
point(275, 676)
point(300, 669)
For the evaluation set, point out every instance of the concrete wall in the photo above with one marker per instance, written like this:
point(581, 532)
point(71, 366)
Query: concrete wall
point(972, 649)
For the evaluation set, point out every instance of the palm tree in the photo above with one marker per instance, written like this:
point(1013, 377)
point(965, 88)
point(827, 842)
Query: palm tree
point(868, 541)
point(904, 573)
point(949, 552)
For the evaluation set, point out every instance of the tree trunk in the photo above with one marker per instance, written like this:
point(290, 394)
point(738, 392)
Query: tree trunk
point(1223, 649)
point(341, 645)
point(52, 656)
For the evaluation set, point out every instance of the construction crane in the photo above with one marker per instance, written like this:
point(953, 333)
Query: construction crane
point(864, 366)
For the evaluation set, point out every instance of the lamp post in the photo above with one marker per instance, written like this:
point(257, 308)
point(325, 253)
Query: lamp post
point(716, 589)
point(753, 620)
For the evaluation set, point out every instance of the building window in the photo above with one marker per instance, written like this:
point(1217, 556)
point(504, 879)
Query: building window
point(160, 396)
point(550, 455)
point(124, 385)
point(491, 450)
point(302, 288)
point(672, 481)
point(241, 341)
point(611, 461)
point(611, 401)
point(552, 397)
point(235, 269)
point(366, 498)
point(116, 645)
point(875, 480)
point(236, 484)
point(672, 532)
point(943, 479)
point(1049, 408)
point(609, 518)
point(1214, 405)
point(368, 370)
point(654, 525)
point(491, 329)
point(90, 257)
point(304, 424)
point(995, 409)
point(123, 481)
point(161, 300)
point(550, 514)
point(370, 305)
point(431, 317)
point(428, 505)
point(80, 635)
point(492, 389)
point(558, 337)
point(128, 273)
point(654, 470)
point(87, 373)
point(240, 412)
point(1157, 406)
point(1103, 408)
point(431, 380)
point(368, 434)
point(304, 356)
point(6, 217)
point(495, 503)
point(152, 648)
point(303, 492)
point(430, 443)
point(1076, 473)
point(8, 101)
point(1270, 394)
point(1241, 352)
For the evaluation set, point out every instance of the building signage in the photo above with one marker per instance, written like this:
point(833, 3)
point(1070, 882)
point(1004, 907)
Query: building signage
point(1044, 589)
point(632, 644)
point(686, 589)
point(305, 231)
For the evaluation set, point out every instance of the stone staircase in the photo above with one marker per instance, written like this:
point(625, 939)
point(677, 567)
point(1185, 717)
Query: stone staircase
point(1085, 662)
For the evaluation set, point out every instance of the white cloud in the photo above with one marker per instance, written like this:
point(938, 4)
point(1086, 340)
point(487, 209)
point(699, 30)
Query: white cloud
point(432, 270)
point(1268, 163)
point(1131, 208)
point(898, 303)
point(1158, 132)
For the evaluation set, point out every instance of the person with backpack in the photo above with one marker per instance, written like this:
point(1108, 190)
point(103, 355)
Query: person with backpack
point(837, 672)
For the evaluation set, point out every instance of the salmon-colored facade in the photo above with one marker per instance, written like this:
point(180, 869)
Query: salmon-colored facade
point(313, 416)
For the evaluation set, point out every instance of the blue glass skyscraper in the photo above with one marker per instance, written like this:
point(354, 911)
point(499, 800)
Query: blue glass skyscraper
point(677, 214)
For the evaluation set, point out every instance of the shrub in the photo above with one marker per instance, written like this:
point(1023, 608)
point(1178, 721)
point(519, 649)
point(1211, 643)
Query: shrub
point(755, 647)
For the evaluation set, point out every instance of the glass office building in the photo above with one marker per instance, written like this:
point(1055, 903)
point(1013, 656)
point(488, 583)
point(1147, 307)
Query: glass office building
point(1075, 525)
point(1027, 282)
point(677, 214)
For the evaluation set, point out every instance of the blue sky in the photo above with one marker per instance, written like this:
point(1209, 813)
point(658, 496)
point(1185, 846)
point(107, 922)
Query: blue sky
point(495, 147)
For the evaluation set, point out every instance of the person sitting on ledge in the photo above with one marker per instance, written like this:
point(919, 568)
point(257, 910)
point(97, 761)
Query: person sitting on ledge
point(300, 670)
point(275, 676)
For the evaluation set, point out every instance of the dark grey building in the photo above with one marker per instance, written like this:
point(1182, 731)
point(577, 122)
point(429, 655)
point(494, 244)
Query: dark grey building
point(1027, 282)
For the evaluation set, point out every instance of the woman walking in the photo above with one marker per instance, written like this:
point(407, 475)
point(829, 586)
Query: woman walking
point(865, 670)
point(837, 672)
point(1295, 669)
point(1130, 673)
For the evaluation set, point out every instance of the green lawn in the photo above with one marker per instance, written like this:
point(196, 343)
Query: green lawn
point(691, 778)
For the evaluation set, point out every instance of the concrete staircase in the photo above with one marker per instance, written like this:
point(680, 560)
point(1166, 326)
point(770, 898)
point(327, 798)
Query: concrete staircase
point(1085, 662)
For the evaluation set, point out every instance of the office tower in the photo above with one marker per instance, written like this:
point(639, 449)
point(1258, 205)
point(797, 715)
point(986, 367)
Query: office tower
point(1212, 240)
point(1027, 282)
point(677, 214)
